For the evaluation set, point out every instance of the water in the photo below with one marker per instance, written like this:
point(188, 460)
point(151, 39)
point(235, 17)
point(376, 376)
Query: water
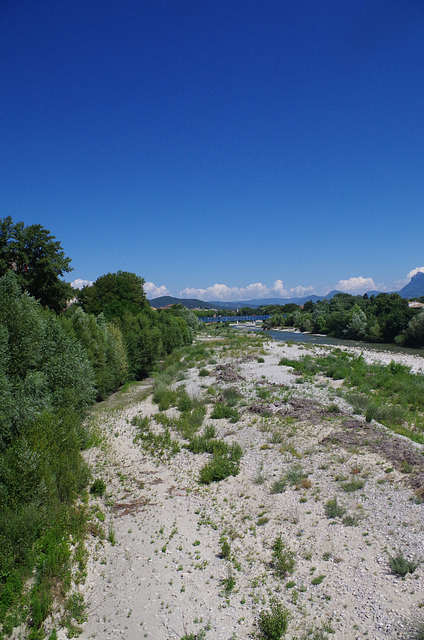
point(316, 339)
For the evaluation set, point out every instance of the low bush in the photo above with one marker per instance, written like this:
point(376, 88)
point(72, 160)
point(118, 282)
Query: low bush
point(224, 411)
point(283, 560)
point(333, 509)
point(222, 465)
point(98, 487)
point(353, 485)
point(272, 625)
point(400, 565)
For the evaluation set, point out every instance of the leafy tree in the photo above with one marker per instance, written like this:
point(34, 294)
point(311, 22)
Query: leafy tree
point(143, 341)
point(114, 294)
point(357, 327)
point(44, 367)
point(104, 345)
point(174, 331)
point(414, 334)
point(188, 315)
point(38, 261)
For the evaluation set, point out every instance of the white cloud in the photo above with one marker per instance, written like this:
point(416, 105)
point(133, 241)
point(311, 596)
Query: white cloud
point(79, 284)
point(252, 291)
point(414, 272)
point(356, 285)
point(152, 291)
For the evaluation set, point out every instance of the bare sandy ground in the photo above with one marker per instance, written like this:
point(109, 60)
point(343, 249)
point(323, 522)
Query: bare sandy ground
point(158, 572)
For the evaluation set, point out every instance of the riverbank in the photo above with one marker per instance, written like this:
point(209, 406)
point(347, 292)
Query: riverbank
point(162, 570)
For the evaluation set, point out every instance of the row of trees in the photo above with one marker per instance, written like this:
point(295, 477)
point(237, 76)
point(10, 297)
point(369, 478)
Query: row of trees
point(54, 363)
point(382, 318)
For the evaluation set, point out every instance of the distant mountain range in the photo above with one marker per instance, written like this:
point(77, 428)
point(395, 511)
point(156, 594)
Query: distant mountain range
point(414, 289)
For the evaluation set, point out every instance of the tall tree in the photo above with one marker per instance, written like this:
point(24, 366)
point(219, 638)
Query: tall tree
point(38, 261)
point(114, 294)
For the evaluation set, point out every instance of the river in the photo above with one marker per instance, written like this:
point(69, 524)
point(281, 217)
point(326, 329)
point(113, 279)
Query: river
point(321, 339)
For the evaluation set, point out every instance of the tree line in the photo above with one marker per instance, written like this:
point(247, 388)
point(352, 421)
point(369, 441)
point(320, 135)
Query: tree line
point(385, 318)
point(56, 360)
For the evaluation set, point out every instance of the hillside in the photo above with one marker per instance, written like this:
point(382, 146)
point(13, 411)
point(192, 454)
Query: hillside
point(190, 303)
point(414, 288)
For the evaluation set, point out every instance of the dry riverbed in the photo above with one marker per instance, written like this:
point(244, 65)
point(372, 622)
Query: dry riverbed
point(181, 558)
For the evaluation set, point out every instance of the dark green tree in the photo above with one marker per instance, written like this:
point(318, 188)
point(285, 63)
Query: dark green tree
point(38, 261)
point(114, 294)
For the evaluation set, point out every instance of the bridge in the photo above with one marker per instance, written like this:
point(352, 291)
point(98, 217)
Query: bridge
point(233, 318)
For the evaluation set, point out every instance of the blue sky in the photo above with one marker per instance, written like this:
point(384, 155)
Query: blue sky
point(218, 148)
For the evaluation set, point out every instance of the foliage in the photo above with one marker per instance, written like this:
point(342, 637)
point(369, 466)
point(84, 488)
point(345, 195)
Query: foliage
point(104, 345)
point(98, 487)
point(44, 369)
point(225, 462)
point(272, 625)
point(37, 260)
point(382, 318)
point(222, 410)
point(333, 509)
point(400, 565)
point(283, 560)
point(143, 341)
point(390, 394)
point(413, 336)
point(114, 294)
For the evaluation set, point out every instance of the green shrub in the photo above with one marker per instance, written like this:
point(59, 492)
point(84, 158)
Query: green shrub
point(283, 560)
point(225, 548)
point(353, 485)
point(231, 396)
point(400, 565)
point(333, 509)
point(218, 469)
point(165, 397)
point(184, 401)
point(272, 625)
point(224, 411)
point(229, 584)
point(98, 487)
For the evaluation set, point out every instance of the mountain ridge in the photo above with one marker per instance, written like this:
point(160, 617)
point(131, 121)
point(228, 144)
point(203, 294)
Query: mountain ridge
point(414, 289)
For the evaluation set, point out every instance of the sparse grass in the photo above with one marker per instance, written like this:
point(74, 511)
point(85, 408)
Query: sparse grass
point(161, 445)
point(279, 486)
point(389, 394)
